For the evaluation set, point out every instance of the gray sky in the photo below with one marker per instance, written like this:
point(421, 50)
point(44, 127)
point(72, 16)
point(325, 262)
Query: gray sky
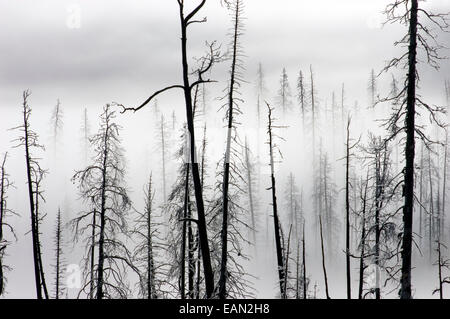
point(123, 50)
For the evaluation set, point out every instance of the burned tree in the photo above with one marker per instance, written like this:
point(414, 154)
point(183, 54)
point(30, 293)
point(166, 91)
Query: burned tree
point(102, 187)
point(59, 266)
point(35, 175)
point(57, 123)
point(5, 227)
point(372, 88)
point(187, 86)
point(85, 134)
point(276, 221)
point(348, 155)
point(152, 270)
point(232, 109)
point(301, 96)
point(409, 104)
point(249, 167)
point(163, 139)
point(284, 93)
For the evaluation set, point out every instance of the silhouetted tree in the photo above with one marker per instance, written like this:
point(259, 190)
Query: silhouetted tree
point(277, 225)
point(419, 35)
point(232, 109)
point(35, 175)
point(5, 226)
point(206, 63)
point(101, 185)
point(57, 123)
point(59, 266)
point(284, 93)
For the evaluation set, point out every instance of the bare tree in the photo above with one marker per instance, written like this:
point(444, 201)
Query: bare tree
point(5, 226)
point(349, 148)
point(284, 93)
point(35, 175)
point(409, 104)
point(301, 96)
point(206, 63)
point(101, 185)
point(232, 109)
point(57, 123)
point(149, 243)
point(372, 87)
point(85, 135)
point(250, 181)
point(277, 225)
point(59, 266)
point(324, 267)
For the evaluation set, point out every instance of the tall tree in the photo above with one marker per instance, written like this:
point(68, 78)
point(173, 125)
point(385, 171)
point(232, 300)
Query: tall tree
point(57, 123)
point(277, 225)
point(372, 87)
point(348, 155)
point(250, 181)
point(207, 62)
point(5, 226)
point(301, 96)
point(284, 93)
point(146, 229)
point(35, 174)
point(419, 35)
point(102, 186)
point(236, 9)
point(85, 135)
point(59, 266)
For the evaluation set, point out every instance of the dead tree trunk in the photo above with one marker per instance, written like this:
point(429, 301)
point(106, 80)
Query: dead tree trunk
point(304, 264)
point(187, 86)
point(347, 213)
point(277, 226)
point(34, 175)
point(58, 253)
point(408, 191)
point(324, 268)
point(226, 174)
point(363, 241)
point(249, 168)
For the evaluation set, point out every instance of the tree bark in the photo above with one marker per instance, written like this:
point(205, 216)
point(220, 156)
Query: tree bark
point(405, 290)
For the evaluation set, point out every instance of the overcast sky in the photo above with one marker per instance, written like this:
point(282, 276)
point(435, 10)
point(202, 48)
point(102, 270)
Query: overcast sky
point(120, 50)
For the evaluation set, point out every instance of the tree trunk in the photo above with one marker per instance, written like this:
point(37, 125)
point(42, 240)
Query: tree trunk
point(405, 291)
point(347, 215)
point(204, 243)
point(324, 268)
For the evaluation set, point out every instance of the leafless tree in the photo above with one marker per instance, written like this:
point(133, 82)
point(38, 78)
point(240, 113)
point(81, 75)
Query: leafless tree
point(35, 175)
point(186, 20)
point(102, 187)
point(5, 226)
point(59, 266)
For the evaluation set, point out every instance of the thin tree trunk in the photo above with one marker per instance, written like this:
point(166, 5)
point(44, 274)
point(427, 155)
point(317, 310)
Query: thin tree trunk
point(363, 243)
point(347, 214)
point(226, 174)
point(94, 225)
point(277, 226)
point(405, 291)
point(204, 244)
point(101, 252)
point(324, 268)
point(304, 264)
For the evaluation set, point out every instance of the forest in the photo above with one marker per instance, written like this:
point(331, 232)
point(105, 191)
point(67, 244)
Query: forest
point(226, 149)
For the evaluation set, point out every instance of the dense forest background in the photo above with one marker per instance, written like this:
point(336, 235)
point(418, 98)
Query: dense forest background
point(311, 71)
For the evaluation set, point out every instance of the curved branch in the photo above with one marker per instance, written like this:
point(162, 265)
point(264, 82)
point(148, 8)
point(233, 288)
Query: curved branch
point(134, 109)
